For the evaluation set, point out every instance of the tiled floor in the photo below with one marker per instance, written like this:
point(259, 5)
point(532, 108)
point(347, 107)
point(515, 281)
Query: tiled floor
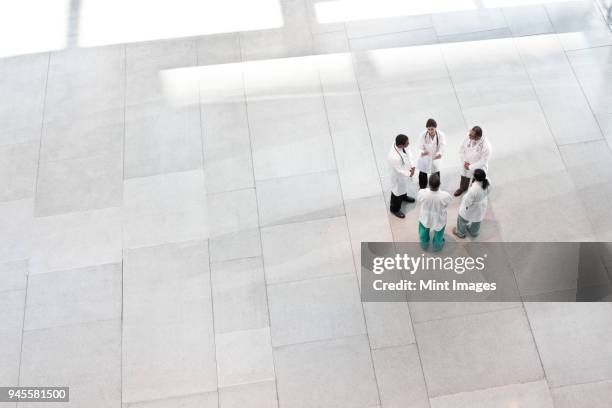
point(181, 217)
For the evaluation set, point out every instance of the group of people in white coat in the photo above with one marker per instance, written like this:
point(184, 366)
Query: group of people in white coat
point(474, 154)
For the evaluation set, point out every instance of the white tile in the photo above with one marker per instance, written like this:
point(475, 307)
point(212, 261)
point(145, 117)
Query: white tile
point(290, 199)
point(13, 276)
point(22, 85)
point(529, 395)
point(79, 184)
point(207, 400)
point(400, 377)
point(388, 324)
point(348, 127)
point(94, 353)
point(593, 67)
point(76, 240)
point(315, 309)
point(579, 24)
point(307, 250)
point(86, 295)
point(16, 219)
point(571, 341)
point(595, 395)
point(232, 212)
point(239, 295)
point(462, 354)
point(262, 394)
point(244, 357)
point(336, 373)
point(468, 21)
point(164, 208)
point(168, 339)
point(18, 164)
point(392, 40)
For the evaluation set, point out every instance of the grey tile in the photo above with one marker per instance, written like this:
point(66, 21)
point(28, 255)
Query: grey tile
point(76, 240)
point(571, 341)
point(239, 295)
point(93, 373)
point(218, 49)
point(238, 245)
point(331, 43)
point(262, 394)
point(312, 310)
point(16, 219)
point(400, 377)
point(528, 395)
point(307, 250)
point(290, 199)
point(336, 373)
point(579, 24)
point(468, 21)
point(592, 67)
point(595, 395)
point(368, 28)
point(87, 295)
point(13, 276)
point(164, 208)
point(494, 34)
point(18, 164)
point(207, 400)
point(79, 184)
point(527, 20)
point(462, 354)
point(232, 212)
point(244, 357)
point(162, 140)
point(168, 339)
point(22, 79)
point(11, 312)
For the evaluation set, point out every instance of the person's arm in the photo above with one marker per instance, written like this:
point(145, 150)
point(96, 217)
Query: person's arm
point(441, 145)
point(422, 145)
point(484, 157)
point(399, 168)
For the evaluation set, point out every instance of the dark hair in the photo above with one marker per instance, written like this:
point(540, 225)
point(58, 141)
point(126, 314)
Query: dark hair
point(401, 139)
point(480, 175)
point(477, 130)
point(434, 182)
point(431, 123)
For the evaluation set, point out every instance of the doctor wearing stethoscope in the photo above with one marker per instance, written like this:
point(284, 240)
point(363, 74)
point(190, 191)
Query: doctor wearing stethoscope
point(432, 143)
point(401, 169)
point(475, 152)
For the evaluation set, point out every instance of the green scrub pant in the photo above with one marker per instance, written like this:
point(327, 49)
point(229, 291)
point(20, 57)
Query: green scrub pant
point(437, 241)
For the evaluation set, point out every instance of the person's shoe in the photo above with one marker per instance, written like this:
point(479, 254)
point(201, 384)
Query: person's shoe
point(409, 199)
point(458, 192)
point(455, 233)
point(398, 214)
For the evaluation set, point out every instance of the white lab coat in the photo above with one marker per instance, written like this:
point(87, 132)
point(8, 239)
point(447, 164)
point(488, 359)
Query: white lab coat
point(475, 152)
point(474, 203)
point(433, 208)
point(433, 147)
point(400, 163)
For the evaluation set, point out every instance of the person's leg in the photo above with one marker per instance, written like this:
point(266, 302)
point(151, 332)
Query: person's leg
point(464, 184)
point(474, 229)
point(461, 229)
point(438, 239)
point(422, 180)
point(407, 199)
point(396, 205)
point(423, 236)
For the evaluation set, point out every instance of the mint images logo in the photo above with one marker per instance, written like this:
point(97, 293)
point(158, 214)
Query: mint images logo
point(412, 264)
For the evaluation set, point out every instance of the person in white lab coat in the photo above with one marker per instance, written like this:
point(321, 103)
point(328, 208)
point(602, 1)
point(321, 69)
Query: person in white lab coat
point(433, 213)
point(475, 152)
point(432, 143)
point(401, 169)
point(473, 206)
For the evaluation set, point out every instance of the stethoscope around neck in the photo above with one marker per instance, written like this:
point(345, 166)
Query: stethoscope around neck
point(400, 155)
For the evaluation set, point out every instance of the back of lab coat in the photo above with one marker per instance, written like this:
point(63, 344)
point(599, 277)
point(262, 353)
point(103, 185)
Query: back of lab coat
point(474, 203)
point(433, 208)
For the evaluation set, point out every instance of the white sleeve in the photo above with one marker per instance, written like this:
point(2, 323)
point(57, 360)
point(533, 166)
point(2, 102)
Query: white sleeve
point(484, 156)
point(397, 167)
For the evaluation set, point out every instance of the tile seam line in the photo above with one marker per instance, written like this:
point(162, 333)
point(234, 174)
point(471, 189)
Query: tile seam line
point(361, 37)
point(196, 43)
point(75, 324)
point(257, 202)
point(42, 128)
point(503, 309)
point(532, 381)
point(125, 63)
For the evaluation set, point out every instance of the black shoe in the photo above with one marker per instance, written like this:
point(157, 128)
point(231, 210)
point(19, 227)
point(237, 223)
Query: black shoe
point(398, 214)
point(408, 199)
